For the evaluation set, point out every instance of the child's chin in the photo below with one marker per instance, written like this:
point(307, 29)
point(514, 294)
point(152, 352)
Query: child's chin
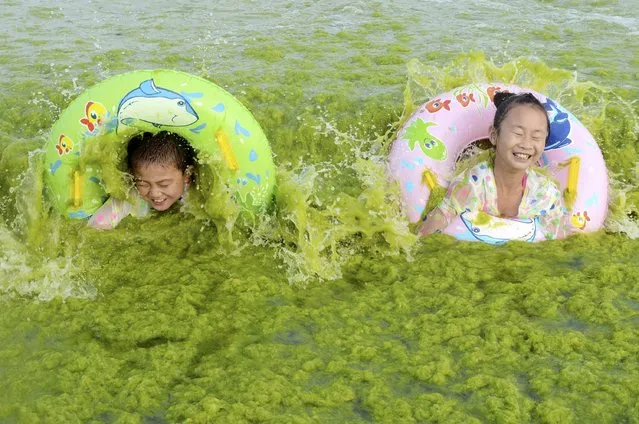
point(521, 164)
point(162, 207)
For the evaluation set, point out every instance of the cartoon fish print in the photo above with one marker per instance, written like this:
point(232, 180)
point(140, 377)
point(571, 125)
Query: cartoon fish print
point(499, 230)
point(437, 104)
point(95, 113)
point(157, 106)
point(559, 126)
point(65, 145)
point(491, 91)
point(418, 133)
point(579, 221)
point(465, 99)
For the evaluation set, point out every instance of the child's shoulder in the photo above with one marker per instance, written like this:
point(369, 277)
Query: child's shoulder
point(475, 172)
point(544, 189)
point(542, 178)
point(139, 206)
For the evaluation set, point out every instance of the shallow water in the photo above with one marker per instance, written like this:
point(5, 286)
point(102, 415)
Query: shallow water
point(326, 309)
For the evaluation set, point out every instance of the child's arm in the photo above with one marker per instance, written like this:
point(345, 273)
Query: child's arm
point(554, 223)
point(461, 194)
point(436, 221)
point(110, 214)
point(115, 210)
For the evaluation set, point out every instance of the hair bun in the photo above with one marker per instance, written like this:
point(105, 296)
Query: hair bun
point(500, 97)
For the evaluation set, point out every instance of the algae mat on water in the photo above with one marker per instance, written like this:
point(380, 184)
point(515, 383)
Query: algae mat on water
point(448, 338)
point(326, 309)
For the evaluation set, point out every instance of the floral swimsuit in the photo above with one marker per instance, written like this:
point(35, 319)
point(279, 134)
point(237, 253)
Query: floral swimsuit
point(115, 210)
point(475, 190)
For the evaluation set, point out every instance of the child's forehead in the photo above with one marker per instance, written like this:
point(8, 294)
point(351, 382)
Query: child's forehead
point(524, 114)
point(156, 169)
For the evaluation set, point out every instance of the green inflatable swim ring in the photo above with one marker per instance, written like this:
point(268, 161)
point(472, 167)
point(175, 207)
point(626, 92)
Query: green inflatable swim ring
point(211, 119)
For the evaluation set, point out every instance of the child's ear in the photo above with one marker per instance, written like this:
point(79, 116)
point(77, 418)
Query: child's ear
point(492, 135)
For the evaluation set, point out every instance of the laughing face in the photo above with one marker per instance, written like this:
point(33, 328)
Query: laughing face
point(520, 139)
point(160, 185)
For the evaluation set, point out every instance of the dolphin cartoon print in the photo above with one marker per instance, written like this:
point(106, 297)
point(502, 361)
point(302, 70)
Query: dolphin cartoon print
point(499, 230)
point(155, 105)
point(559, 127)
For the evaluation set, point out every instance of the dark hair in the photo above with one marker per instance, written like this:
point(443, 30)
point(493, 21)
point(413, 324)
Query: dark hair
point(161, 148)
point(505, 101)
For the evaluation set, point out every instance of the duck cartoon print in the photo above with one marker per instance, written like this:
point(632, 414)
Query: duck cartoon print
point(465, 99)
point(94, 116)
point(64, 146)
point(418, 133)
point(437, 105)
point(155, 105)
point(559, 126)
point(579, 221)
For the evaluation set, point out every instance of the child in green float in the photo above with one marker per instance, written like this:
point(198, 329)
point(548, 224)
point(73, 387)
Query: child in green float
point(508, 186)
point(161, 165)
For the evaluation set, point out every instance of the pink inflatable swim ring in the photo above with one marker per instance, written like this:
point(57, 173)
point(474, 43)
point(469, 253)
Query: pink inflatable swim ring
point(430, 142)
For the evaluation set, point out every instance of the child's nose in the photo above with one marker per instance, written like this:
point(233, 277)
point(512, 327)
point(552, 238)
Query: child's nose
point(528, 142)
point(154, 191)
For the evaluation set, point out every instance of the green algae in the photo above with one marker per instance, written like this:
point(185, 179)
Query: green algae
point(325, 309)
point(198, 341)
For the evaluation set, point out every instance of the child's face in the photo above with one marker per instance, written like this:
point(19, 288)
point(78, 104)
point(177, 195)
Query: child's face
point(160, 185)
point(521, 138)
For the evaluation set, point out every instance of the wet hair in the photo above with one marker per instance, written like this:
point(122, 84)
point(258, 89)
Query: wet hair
point(163, 148)
point(506, 101)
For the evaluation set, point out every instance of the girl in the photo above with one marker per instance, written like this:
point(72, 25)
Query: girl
point(507, 185)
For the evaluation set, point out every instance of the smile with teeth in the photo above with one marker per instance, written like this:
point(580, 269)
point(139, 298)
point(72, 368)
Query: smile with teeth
point(522, 156)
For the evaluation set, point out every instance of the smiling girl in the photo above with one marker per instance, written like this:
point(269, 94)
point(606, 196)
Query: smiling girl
point(508, 186)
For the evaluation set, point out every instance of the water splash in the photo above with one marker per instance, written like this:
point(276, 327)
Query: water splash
point(27, 274)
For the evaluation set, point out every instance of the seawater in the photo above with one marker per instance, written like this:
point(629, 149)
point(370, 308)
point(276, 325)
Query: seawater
point(326, 308)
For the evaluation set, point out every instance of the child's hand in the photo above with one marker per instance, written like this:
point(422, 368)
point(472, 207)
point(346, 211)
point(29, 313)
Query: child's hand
point(110, 214)
point(99, 222)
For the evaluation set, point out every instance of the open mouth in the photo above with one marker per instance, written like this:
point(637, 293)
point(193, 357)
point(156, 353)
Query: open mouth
point(522, 156)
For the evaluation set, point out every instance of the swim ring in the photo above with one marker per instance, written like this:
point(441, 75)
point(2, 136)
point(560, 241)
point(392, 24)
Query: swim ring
point(426, 150)
point(212, 120)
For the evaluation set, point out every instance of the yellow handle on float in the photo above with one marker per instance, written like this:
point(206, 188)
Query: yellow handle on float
point(227, 150)
point(429, 179)
point(573, 165)
point(77, 189)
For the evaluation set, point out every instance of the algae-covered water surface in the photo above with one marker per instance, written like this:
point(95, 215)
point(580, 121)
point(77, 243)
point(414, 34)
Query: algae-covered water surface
point(326, 308)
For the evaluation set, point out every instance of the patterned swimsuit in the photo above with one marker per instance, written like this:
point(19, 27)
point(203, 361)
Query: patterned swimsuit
point(115, 210)
point(475, 189)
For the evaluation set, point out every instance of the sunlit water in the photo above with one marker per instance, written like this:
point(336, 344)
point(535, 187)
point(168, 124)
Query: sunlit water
point(327, 308)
